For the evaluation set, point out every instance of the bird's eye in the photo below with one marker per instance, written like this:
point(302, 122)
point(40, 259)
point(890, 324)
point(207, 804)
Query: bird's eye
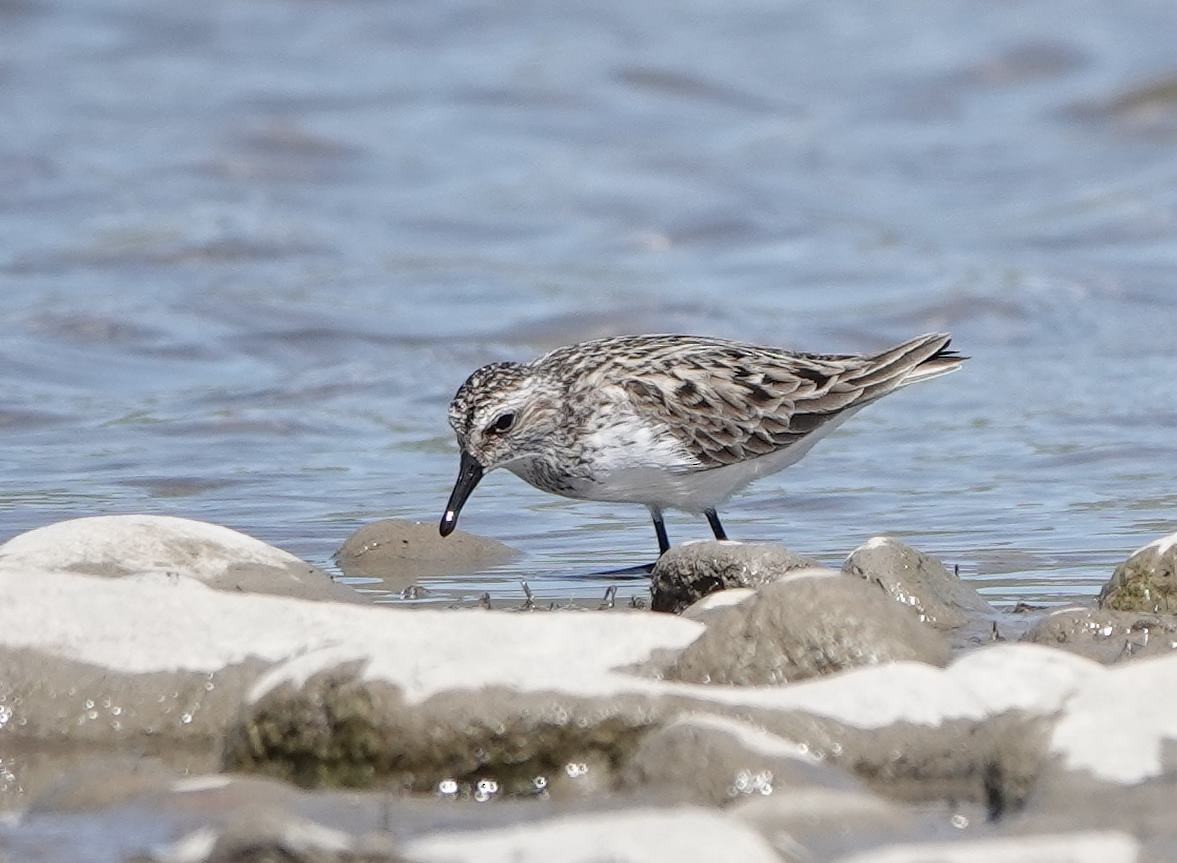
point(502, 423)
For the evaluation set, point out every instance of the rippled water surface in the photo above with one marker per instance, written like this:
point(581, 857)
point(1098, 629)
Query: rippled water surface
point(249, 250)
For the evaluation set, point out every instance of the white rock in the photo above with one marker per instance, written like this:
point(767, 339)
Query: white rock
point(141, 626)
point(1116, 725)
point(1084, 847)
point(675, 835)
point(982, 684)
point(1025, 676)
point(126, 544)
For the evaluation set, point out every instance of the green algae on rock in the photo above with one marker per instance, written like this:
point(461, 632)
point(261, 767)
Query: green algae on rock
point(1146, 581)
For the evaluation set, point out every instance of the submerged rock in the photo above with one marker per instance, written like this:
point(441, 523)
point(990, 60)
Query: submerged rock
point(399, 551)
point(1106, 635)
point(913, 578)
point(712, 759)
point(686, 573)
point(155, 545)
point(810, 623)
point(1146, 581)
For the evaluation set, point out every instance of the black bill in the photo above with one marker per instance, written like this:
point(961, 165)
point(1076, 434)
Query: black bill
point(469, 473)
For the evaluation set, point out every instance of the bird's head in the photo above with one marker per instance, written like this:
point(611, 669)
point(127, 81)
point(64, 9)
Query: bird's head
point(504, 415)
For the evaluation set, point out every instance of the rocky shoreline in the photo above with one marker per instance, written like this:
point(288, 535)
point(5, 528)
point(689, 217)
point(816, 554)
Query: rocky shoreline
point(210, 698)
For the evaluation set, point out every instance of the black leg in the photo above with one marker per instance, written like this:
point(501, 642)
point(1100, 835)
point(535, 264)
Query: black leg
point(716, 527)
point(663, 545)
point(660, 529)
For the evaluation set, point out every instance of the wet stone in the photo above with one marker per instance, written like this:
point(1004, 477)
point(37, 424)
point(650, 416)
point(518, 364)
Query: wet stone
point(399, 551)
point(52, 699)
point(826, 822)
point(686, 573)
point(339, 729)
point(1106, 635)
point(715, 760)
point(1146, 581)
point(810, 623)
point(1062, 799)
point(913, 578)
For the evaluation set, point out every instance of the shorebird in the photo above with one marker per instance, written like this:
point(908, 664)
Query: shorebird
point(667, 421)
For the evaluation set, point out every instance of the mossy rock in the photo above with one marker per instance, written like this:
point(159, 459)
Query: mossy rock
point(1145, 582)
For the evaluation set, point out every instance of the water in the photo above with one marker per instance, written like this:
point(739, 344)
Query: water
point(249, 250)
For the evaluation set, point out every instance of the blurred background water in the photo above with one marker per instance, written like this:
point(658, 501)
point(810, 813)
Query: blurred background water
point(249, 250)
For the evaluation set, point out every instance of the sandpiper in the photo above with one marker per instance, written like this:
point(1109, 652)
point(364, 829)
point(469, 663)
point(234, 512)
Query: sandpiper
point(667, 421)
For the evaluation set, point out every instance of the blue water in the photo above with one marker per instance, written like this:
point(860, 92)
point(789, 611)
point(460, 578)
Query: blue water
point(249, 250)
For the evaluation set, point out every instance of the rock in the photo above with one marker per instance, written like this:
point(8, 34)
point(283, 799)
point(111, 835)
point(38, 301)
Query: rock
point(137, 660)
point(715, 760)
point(688, 572)
point(1105, 635)
point(324, 720)
point(1075, 846)
point(482, 704)
point(258, 836)
point(1146, 581)
point(1120, 726)
point(399, 552)
point(974, 731)
point(126, 545)
point(810, 623)
point(820, 823)
point(713, 604)
point(645, 835)
point(912, 578)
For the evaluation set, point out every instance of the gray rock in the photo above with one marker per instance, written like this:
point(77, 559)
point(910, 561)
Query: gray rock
point(51, 699)
point(915, 579)
point(399, 552)
point(1063, 802)
point(714, 604)
point(976, 731)
point(257, 835)
point(714, 760)
point(339, 729)
point(483, 704)
point(1146, 581)
point(811, 623)
point(686, 573)
point(151, 545)
point(827, 822)
point(1105, 635)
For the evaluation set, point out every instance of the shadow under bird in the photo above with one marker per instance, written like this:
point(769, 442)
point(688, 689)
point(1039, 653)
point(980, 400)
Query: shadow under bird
point(667, 421)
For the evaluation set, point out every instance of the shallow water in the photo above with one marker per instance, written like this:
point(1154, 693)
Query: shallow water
point(250, 250)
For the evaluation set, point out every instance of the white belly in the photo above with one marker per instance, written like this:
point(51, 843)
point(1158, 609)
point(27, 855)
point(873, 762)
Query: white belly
point(675, 485)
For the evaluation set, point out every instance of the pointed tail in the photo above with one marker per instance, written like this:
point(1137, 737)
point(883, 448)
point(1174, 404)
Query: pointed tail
point(920, 359)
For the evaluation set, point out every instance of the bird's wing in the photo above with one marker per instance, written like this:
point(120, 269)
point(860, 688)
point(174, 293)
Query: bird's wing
point(728, 402)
